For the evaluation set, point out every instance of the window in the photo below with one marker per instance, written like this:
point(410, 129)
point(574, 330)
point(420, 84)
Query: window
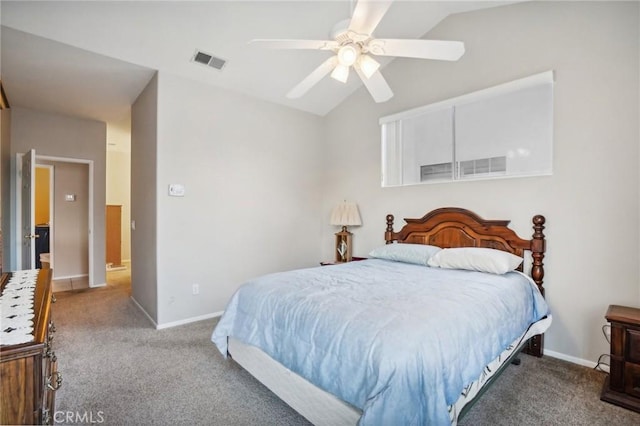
point(503, 131)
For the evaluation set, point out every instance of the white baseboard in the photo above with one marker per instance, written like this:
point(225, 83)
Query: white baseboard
point(116, 268)
point(175, 323)
point(575, 360)
point(70, 277)
point(189, 320)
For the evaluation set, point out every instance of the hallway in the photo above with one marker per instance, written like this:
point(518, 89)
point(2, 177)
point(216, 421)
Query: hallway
point(120, 278)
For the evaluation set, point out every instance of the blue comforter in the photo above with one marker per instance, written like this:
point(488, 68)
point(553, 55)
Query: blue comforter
point(398, 341)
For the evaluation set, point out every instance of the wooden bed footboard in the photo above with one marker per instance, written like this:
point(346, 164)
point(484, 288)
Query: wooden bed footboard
point(456, 227)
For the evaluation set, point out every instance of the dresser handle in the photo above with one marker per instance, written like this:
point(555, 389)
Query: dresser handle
point(46, 417)
point(48, 353)
point(54, 386)
point(51, 354)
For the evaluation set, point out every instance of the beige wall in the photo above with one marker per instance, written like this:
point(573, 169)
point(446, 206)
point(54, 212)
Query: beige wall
point(144, 252)
point(71, 220)
point(591, 201)
point(251, 171)
point(69, 137)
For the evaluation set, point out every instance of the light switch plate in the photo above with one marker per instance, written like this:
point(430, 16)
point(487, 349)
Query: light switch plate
point(176, 190)
point(70, 197)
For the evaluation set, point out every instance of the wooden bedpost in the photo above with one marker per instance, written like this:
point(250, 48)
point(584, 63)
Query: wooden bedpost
point(388, 235)
point(538, 246)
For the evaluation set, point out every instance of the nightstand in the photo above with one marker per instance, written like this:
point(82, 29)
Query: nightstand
point(353, 259)
point(622, 386)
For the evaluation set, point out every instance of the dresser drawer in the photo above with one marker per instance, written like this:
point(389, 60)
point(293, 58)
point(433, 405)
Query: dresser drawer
point(632, 350)
point(28, 370)
point(632, 379)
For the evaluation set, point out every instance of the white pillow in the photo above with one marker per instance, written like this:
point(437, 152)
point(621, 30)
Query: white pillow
point(476, 259)
point(408, 253)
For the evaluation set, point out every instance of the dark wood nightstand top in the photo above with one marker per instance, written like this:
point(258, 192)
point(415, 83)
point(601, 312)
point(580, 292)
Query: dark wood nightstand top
point(353, 259)
point(623, 314)
point(621, 387)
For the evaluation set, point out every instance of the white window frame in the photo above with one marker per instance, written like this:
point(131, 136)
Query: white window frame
point(391, 133)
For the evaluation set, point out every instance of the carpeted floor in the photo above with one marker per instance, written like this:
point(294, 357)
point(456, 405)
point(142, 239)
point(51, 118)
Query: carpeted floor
point(119, 370)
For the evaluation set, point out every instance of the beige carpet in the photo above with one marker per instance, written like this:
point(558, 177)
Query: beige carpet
point(119, 370)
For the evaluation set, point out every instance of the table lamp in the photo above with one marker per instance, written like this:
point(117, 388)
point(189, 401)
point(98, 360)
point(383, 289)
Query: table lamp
point(345, 214)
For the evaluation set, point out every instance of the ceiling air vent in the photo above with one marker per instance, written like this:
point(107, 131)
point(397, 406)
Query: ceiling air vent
point(209, 60)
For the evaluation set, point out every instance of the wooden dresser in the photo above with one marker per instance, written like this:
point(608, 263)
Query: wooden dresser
point(622, 386)
point(28, 371)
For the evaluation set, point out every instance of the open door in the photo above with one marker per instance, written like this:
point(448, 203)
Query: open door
point(28, 209)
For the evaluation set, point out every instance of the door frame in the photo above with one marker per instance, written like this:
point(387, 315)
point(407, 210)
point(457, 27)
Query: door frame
point(18, 204)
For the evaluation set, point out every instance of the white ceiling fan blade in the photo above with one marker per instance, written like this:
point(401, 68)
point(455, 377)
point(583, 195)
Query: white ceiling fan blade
point(296, 44)
point(376, 85)
point(316, 75)
point(424, 49)
point(367, 15)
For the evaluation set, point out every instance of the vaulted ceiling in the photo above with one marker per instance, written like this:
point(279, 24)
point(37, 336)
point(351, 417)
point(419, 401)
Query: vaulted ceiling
point(91, 59)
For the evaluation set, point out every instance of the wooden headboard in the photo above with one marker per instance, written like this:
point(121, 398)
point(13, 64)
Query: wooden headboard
point(455, 227)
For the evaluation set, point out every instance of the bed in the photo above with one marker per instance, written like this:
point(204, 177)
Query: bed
point(409, 336)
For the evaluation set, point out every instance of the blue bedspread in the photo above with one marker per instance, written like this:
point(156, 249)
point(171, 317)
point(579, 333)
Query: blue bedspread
point(398, 341)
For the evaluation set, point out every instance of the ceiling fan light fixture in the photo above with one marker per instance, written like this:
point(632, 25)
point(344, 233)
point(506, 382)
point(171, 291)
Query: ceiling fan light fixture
point(340, 73)
point(353, 44)
point(348, 55)
point(368, 65)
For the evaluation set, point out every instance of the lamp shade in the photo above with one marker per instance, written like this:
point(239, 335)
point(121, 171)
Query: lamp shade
point(346, 214)
point(340, 73)
point(368, 65)
point(348, 55)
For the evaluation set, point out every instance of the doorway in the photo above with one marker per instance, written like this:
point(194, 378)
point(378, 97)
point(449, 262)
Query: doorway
point(70, 219)
point(69, 230)
point(43, 211)
point(118, 200)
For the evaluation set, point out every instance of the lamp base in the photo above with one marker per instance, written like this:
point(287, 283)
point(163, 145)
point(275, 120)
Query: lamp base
point(343, 245)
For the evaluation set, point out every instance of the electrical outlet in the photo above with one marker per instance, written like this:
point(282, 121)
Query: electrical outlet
point(176, 190)
point(196, 289)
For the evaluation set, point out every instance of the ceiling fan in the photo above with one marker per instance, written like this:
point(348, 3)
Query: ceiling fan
point(353, 44)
